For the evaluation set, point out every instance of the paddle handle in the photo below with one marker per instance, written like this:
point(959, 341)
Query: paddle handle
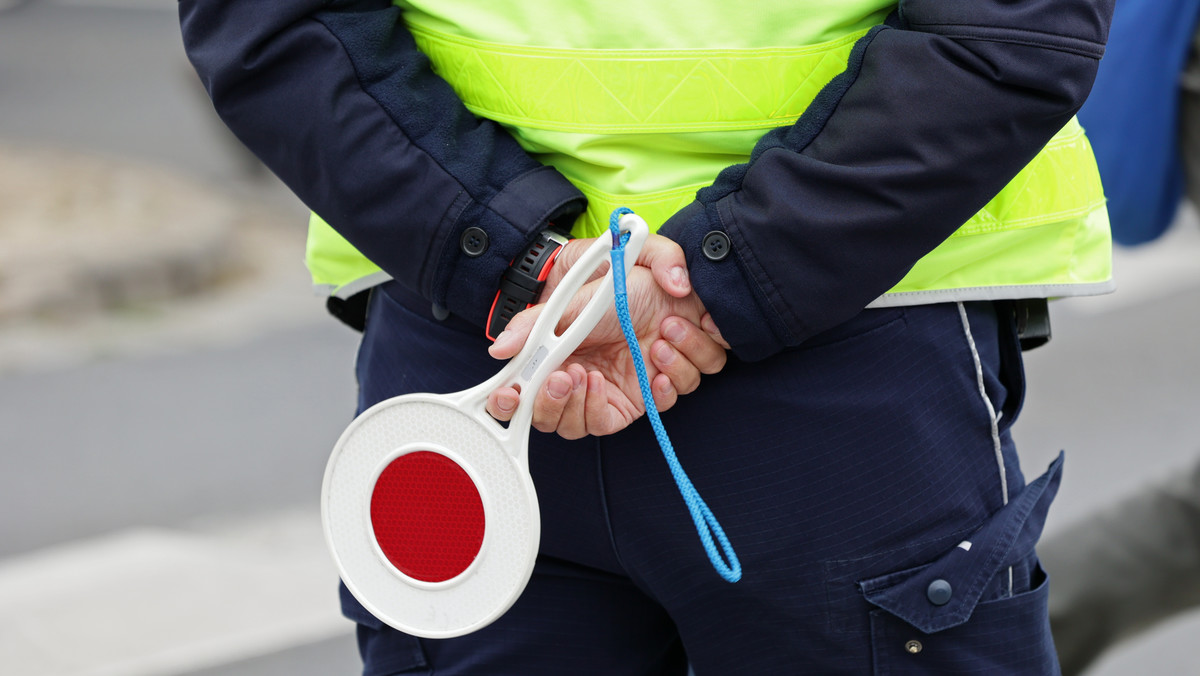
point(544, 350)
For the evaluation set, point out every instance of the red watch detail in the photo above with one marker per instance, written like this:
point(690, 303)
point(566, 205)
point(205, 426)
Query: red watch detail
point(524, 280)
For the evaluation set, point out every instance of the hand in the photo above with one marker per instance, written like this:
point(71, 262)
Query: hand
point(669, 268)
point(596, 391)
point(663, 256)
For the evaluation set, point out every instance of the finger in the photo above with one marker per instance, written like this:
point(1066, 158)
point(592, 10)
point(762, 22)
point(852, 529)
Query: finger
point(696, 346)
point(710, 327)
point(667, 263)
point(502, 403)
point(664, 392)
point(681, 373)
point(573, 424)
point(513, 337)
point(599, 414)
point(551, 399)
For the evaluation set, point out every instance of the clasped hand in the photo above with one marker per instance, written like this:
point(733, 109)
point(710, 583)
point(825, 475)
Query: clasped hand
point(596, 390)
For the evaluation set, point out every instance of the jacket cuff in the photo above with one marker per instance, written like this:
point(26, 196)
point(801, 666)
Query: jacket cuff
point(467, 278)
point(737, 303)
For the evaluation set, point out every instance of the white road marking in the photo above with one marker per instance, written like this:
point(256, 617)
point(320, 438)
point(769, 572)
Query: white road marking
point(156, 602)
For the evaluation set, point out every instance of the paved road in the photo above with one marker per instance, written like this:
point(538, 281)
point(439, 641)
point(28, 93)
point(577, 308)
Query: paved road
point(157, 508)
point(160, 477)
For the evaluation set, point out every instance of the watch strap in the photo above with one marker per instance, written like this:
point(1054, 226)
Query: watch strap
point(523, 281)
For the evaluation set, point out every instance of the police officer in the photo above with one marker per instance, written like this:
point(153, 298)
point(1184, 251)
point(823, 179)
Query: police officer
point(870, 199)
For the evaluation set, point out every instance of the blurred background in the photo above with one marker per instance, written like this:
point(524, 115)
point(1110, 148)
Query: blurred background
point(170, 389)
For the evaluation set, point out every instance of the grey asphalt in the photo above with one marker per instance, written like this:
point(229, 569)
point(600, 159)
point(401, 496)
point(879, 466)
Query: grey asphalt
point(132, 440)
point(168, 439)
point(245, 428)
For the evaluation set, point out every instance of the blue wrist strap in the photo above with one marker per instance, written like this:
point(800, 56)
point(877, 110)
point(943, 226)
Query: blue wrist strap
point(706, 524)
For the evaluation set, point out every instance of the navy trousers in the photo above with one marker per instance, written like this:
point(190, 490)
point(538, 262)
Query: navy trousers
point(867, 481)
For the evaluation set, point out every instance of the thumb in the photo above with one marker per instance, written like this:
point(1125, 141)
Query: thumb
point(668, 265)
point(513, 337)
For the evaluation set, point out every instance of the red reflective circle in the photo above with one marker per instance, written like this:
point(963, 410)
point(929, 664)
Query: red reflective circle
point(427, 516)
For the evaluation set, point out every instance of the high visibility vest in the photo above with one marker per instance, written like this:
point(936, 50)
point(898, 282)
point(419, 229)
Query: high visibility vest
point(642, 104)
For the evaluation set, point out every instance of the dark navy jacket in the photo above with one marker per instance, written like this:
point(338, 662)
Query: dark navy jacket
point(936, 112)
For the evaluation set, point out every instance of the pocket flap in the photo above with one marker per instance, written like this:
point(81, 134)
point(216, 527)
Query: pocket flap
point(943, 594)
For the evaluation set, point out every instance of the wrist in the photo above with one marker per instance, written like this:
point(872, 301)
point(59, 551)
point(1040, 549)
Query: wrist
point(524, 279)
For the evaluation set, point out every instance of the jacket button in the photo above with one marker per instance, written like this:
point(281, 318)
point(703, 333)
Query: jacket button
point(716, 245)
point(474, 242)
point(939, 592)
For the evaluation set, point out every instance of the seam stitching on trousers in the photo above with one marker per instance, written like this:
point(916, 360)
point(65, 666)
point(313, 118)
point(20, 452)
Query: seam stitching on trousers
point(992, 419)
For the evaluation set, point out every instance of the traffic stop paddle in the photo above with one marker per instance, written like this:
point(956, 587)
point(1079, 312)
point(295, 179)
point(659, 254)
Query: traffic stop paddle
point(427, 504)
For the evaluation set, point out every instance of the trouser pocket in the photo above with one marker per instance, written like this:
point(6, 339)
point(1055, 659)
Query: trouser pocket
point(963, 613)
point(1009, 635)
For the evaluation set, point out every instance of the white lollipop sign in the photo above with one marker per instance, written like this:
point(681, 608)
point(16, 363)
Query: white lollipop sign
point(427, 503)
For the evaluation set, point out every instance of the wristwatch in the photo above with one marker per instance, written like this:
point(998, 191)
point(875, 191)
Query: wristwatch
point(524, 279)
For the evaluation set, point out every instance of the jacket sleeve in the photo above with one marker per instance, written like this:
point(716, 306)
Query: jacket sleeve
point(935, 113)
point(335, 98)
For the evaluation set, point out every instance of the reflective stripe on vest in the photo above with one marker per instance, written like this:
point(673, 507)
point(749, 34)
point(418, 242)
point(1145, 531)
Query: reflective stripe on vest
point(647, 128)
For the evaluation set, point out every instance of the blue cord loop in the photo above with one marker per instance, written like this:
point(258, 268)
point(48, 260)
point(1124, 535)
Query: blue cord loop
point(706, 523)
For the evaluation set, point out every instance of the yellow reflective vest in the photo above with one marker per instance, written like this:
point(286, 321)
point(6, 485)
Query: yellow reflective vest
point(640, 117)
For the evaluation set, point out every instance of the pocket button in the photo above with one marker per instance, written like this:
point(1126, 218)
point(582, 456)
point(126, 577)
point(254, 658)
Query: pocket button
point(939, 592)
